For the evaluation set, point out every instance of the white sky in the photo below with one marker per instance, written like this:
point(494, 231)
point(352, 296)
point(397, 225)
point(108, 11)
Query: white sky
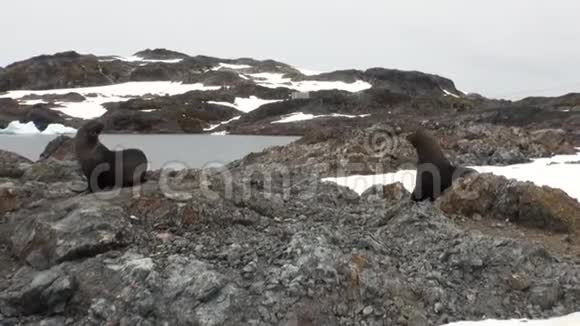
point(497, 48)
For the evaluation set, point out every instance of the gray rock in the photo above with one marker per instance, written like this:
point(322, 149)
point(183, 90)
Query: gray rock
point(82, 229)
point(32, 292)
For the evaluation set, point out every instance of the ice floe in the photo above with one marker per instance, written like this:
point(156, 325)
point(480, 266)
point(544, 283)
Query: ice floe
point(29, 128)
point(219, 133)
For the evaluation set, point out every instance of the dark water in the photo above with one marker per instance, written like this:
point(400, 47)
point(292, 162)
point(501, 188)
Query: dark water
point(193, 151)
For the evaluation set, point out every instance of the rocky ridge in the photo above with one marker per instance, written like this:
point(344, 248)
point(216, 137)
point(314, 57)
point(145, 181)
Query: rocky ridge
point(392, 96)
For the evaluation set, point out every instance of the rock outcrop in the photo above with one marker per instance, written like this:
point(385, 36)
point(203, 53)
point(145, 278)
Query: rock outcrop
point(12, 165)
point(490, 196)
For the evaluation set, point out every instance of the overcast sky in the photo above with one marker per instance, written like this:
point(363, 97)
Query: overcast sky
point(499, 48)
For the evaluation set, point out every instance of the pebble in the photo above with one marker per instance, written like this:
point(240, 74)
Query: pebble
point(368, 310)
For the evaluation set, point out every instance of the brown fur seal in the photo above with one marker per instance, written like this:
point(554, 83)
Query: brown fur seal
point(434, 171)
point(104, 168)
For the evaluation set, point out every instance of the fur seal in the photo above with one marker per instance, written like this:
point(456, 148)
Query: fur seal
point(434, 171)
point(103, 168)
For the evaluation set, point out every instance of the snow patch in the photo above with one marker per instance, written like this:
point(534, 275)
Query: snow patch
point(32, 102)
point(448, 93)
point(569, 320)
point(554, 172)
point(135, 58)
point(230, 66)
point(212, 127)
point(96, 96)
point(299, 116)
point(274, 80)
point(29, 128)
point(245, 104)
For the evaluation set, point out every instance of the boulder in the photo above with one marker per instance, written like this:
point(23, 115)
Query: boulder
point(37, 292)
point(8, 198)
point(61, 148)
point(394, 192)
point(12, 165)
point(42, 116)
point(505, 199)
point(83, 228)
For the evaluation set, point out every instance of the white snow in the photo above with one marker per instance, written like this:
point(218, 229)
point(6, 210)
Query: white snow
point(274, 80)
point(212, 127)
point(569, 320)
point(299, 116)
point(92, 106)
point(130, 89)
point(555, 172)
point(245, 104)
point(32, 102)
point(230, 66)
point(135, 58)
point(17, 128)
point(448, 93)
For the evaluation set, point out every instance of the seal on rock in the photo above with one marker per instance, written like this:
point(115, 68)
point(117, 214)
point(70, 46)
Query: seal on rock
point(434, 171)
point(103, 168)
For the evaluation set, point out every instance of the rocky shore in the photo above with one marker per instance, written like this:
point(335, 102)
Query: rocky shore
point(264, 242)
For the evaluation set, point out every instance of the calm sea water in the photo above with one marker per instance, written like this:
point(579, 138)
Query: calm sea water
point(193, 151)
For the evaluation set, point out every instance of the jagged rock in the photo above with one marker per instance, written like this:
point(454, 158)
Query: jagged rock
point(558, 140)
point(507, 199)
point(410, 82)
point(12, 165)
point(33, 292)
point(392, 192)
point(60, 148)
point(84, 228)
point(61, 70)
point(160, 54)
point(8, 198)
